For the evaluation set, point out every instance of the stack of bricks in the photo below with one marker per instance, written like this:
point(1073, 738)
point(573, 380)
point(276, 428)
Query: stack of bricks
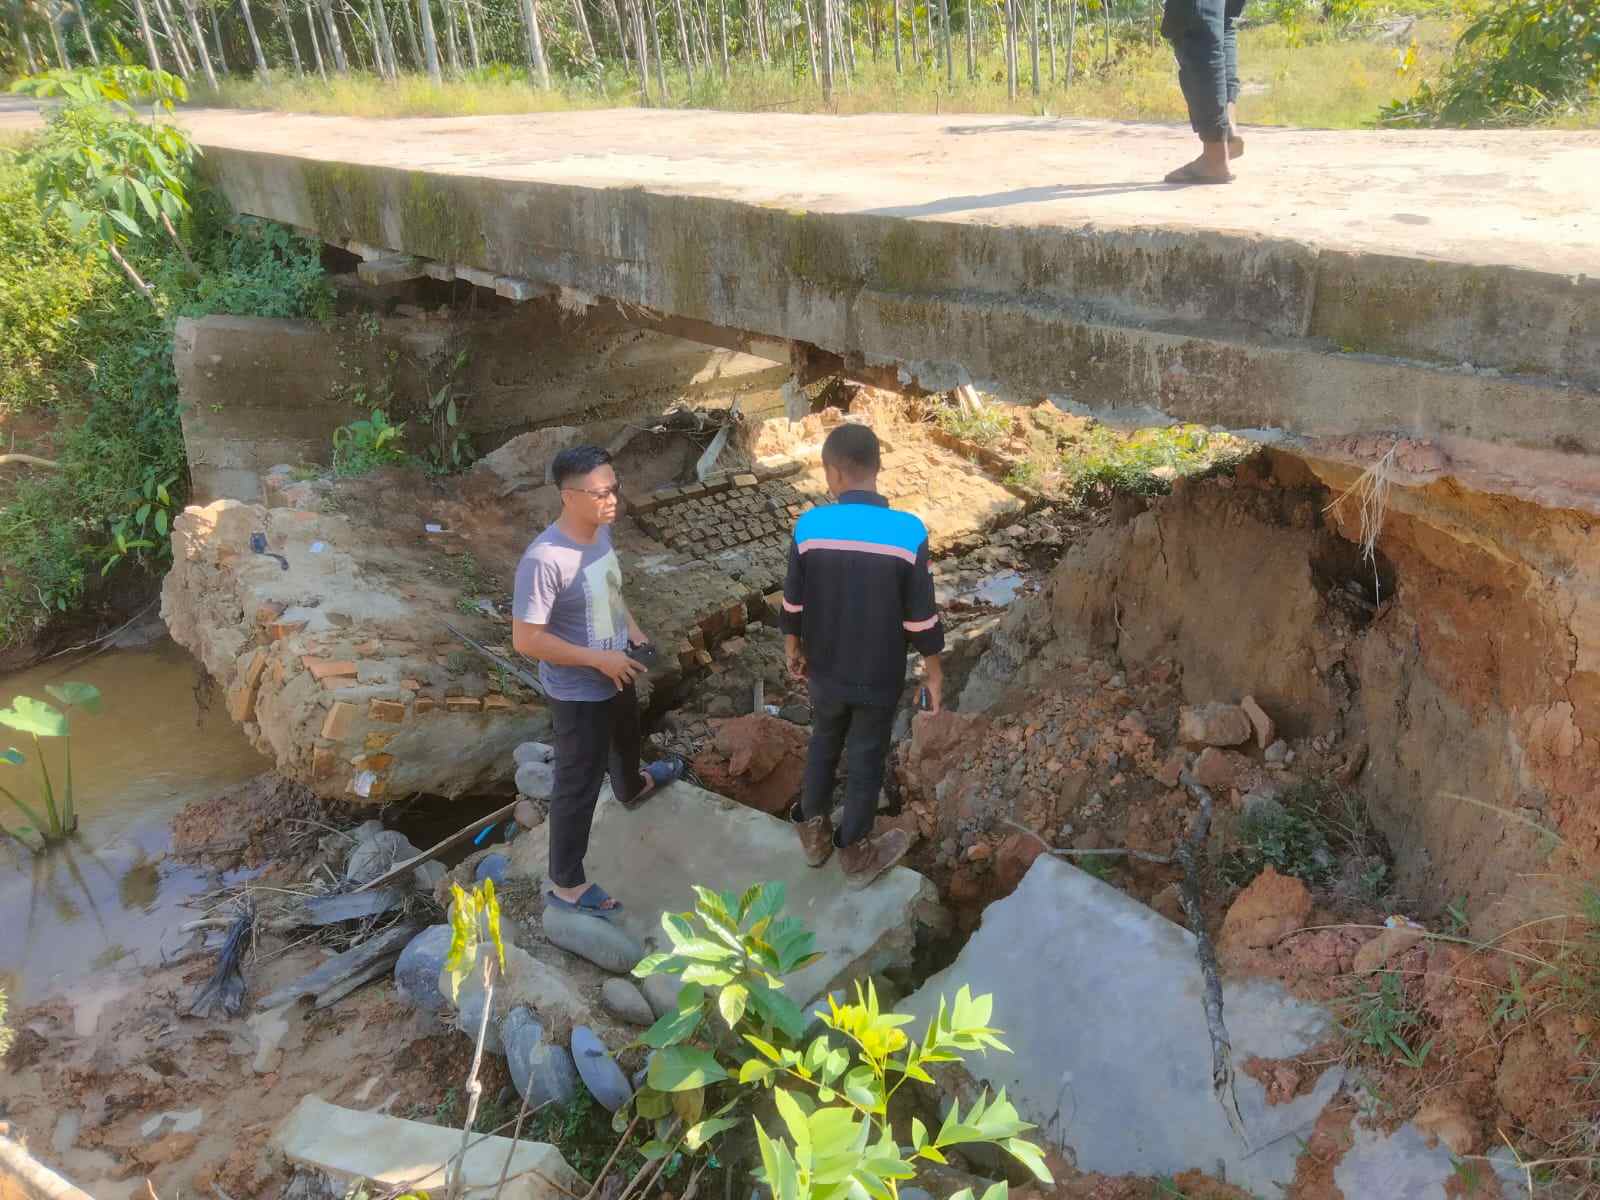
point(734, 513)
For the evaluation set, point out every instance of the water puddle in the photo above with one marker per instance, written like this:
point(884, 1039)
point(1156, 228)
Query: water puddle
point(996, 590)
point(105, 899)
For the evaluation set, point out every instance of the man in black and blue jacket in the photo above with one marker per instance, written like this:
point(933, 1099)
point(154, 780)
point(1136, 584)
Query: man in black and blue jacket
point(857, 594)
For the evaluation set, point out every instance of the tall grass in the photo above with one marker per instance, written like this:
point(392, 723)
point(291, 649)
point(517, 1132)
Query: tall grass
point(1293, 76)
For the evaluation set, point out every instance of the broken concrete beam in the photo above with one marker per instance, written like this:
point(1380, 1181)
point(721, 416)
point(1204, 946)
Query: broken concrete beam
point(1113, 1061)
point(476, 277)
point(411, 1156)
point(443, 272)
point(652, 858)
point(392, 268)
point(516, 289)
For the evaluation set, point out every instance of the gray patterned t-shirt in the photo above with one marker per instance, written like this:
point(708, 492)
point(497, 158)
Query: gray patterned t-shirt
point(575, 590)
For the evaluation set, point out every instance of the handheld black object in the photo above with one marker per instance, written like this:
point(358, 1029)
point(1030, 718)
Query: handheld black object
point(642, 652)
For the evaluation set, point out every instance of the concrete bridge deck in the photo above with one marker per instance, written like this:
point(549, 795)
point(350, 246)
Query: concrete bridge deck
point(1442, 284)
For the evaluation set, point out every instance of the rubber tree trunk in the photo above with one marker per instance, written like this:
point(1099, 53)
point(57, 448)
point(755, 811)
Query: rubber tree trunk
point(185, 67)
point(537, 66)
point(335, 42)
point(255, 41)
point(722, 29)
point(1072, 37)
point(624, 37)
point(949, 50)
point(430, 40)
point(1050, 32)
point(472, 34)
point(216, 39)
point(1033, 43)
point(380, 16)
point(193, 16)
point(827, 50)
point(285, 20)
point(655, 51)
point(53, 19)
point(641, 49)
point(406, 23)
point(899, 65)
point(583, 26)
point(972, 50)
point(88, 32)
point(143, 15)
point(916, 43)
point(1107, 4)
point(683, 43)
point(1011, 49)
point(811, 42)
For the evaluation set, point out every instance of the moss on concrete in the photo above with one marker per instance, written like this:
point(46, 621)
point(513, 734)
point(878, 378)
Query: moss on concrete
point(689, 268)
point(346, 202)
point(815, 248)
point(915, 258)
point(439, 220)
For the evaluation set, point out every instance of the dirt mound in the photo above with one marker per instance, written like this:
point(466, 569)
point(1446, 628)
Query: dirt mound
point(1266, 912)
point(265, 819)
point(759, 760)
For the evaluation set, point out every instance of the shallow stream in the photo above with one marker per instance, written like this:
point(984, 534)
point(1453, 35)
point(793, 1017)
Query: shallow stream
point(106, 898)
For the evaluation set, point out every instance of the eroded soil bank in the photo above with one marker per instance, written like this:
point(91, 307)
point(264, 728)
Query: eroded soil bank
point(1429, 715)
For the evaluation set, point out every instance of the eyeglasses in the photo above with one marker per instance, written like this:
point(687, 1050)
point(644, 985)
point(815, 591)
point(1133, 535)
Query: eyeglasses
point(598, 494)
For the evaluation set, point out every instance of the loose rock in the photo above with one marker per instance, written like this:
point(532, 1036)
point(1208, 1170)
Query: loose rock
point(1277, 752)
point(533, 752)
point(661, 991)
point(468, 1016)
point(1266, 731)
point(528, 814)
point(1388, 945)
point(428, 876)
point(493, 866)
point(1270, 909)
point(1214, 724)
point(626, 1002)
point(416, 972)
point(377, 854)
point(599, 1070)
point(536, 779)
point(594, 938)
point(541, 1072)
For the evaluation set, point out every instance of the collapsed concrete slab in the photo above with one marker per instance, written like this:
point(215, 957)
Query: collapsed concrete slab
point(650, 858)
point(412, 1156)
point(1100, 999)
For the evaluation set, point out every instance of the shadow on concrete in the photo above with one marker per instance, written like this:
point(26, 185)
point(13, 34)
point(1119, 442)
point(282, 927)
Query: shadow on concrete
point(1033, 195)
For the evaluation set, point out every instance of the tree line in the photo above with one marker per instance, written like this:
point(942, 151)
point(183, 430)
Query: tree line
point(1039, 41)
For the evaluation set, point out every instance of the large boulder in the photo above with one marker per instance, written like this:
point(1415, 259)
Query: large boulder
point(375, 855)
point(596, 939)
point(542, 1071)
point(416, 971)
point(1214, 724)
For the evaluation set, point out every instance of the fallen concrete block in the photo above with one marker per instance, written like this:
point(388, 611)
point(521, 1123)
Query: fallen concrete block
point(404, 1154)
point(1100, 999)
point(650, 858)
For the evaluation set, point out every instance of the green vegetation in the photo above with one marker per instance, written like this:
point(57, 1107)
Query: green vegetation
point(368, 444)
point(1520, 62)
point(55, 816)
point(1383, 1018)
point(737, 1040)
point(1146, 461)
point(86, 342)
point(1316, 832)
point(5, 1030)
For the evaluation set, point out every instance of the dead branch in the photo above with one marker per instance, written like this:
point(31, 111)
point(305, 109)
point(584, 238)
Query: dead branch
point(1189, 895)
point(606, 1170)
point(1164, 860)
point(29, 460)
point(455, 839)
point(516, 1136)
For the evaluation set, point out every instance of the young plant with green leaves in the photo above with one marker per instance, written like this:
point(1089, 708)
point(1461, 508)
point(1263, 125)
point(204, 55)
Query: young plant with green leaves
point(56, 816)
point(735, 1035)
point(475, 947)
point(366, 445)
point(144, 527)
point(103, 168)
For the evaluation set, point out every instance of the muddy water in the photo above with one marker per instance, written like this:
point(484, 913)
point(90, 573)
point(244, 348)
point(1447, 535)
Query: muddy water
point(106, 899)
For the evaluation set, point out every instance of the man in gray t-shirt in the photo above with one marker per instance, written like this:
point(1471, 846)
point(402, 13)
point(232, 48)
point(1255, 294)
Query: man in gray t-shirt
point(567, 612)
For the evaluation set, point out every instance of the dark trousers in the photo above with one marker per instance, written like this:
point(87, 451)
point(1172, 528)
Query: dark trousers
point(593, 738)
point(861, 730)
point(1205, 37)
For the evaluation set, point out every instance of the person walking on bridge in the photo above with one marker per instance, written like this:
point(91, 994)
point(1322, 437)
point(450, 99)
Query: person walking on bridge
point(1205, 37)
point(567, 612)
point(857, 593)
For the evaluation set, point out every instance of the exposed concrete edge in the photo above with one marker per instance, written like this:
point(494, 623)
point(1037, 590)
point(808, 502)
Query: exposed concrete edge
point(839, 280)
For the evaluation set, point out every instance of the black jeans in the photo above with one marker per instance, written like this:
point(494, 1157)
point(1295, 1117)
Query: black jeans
point(593, 738)
point(863, 730)
point(1205, 37)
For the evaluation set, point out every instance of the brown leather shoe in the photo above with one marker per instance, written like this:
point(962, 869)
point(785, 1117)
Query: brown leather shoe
point(816, 836)
point(865, 860)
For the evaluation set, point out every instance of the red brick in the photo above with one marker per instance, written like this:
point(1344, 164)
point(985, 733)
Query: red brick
point(464, 704)
point(496, 703)
point(391, 711)
point(279, 630)
point(325, 668)
point(323, 760)
point(337, 724)
point(424, 704)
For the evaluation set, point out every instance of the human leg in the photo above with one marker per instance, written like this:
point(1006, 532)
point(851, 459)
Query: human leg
point(1196, 29)
point(582, 732)
point(812, 817)
point(863, 856)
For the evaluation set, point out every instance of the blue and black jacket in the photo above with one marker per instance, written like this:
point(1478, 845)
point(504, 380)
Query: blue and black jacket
point(858, 591)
